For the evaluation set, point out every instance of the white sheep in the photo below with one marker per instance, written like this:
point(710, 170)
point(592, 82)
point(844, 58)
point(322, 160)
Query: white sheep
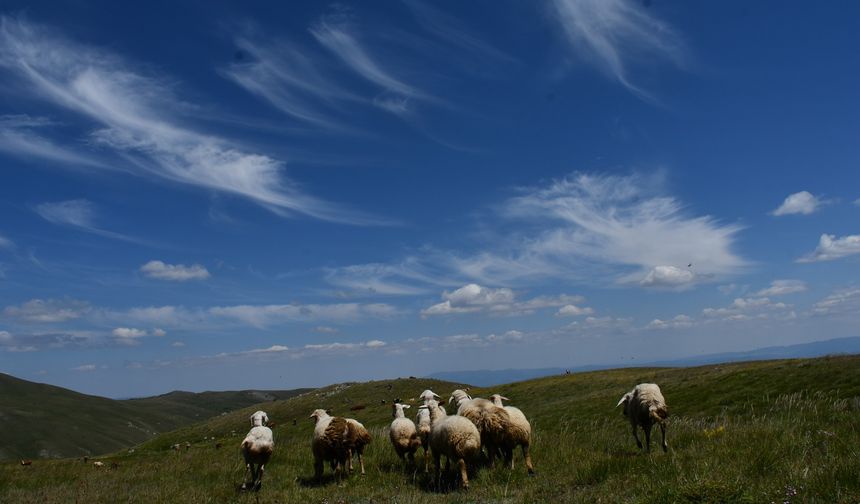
point(455, 437)
point(519, 435)
point(403, 433)
point(257, 448)
point(645, 406)
point(492, 421)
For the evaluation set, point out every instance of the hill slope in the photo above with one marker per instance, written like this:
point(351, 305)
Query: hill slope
point(743, 432)
point(38, 420)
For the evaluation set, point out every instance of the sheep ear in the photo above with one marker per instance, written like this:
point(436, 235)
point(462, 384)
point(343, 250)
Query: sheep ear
point(504, 398)
point(623, 400)
point(436, 395)
point(406, 406)
point(450, 399)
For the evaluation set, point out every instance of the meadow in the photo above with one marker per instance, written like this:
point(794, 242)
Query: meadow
point(772, 431)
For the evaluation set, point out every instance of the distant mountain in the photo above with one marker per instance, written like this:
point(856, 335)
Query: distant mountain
point(39, 420)
point(487, 378)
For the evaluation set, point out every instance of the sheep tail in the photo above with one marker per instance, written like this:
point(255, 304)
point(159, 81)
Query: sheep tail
point(659, 413)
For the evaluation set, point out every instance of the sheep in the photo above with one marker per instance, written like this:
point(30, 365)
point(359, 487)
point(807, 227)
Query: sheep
point(257, 448)
point(519, 435)
point(453, 436)
point(357, 438)
point(645, 406)
point(492, 421)
point(403, 434)
point(26, 462)
point(98, 464)
point(330, 442)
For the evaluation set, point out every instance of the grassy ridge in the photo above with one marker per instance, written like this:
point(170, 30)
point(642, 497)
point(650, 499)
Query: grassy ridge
point(38, 420)
point(748, 432)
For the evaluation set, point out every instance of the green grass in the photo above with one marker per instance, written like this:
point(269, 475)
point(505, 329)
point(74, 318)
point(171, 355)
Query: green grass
point(38, 420)
point(747, 432)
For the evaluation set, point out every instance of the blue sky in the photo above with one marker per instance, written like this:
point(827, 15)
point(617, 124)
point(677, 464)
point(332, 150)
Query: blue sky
point(209, 196)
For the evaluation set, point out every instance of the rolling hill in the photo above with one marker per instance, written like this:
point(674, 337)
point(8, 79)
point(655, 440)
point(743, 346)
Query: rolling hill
point(771, 431)
point(38, 420)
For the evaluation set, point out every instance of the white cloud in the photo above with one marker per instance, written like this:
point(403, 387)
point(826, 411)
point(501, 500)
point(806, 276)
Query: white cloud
point(81, 214)
point(265, 315)
point(781, 288)
point(177, 344)
point(288, 79)
point(85, 368)
point(174, 272)
point(326, 330)
point(137, 114)
point(48, 310)
point(6, 243)
point(157, 332)
point(164, 316)
point(678, 322)
point(407, 278)
point(18, 137)
point(750, 308)
point(599, 225)
point(857, 202)
point(668, 276)
point(573, 311)
point(830, 248)
point(599, 325)
point(840, 302)
point(802, 202)
point(473, 298)
point(615, 35)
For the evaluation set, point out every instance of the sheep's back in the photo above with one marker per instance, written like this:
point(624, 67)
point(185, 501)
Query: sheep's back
point(455, 437)
point(403, 432)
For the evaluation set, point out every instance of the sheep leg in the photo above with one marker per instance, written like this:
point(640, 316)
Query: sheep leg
point(349, 460)
point(245, 477)
point(426, 461)
point(258, 481)
point(464, 475)
point(438, 464)
point(648, 437)
point(360, 461)
point(527, 455)
point(318, 468)
point(663, 437)
point(636, 437)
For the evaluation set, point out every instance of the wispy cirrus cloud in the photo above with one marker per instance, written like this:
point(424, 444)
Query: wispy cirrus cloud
point(174, 272)
point(831, 248)
point(618, 35)
point(48, 310)
point(134, 113)
point(450, 30)
point(6, 243)
point(781, 288)
point(287, 78)
point(337, 35)
point(19, 136)
point(81, 214)
point(614, 222)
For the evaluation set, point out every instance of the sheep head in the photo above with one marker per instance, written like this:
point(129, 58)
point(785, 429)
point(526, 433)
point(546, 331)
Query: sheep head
point(259, 418)
point(397, 410)
point(458, 396)
point(319, 414)
point(498, 398)
point(428, 395)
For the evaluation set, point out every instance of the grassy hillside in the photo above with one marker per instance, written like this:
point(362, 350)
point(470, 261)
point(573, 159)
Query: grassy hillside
point(38, 420)
point(750, 432)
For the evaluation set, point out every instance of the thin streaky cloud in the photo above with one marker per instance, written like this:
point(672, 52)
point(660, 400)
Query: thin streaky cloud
point(17, 137)
point(81, 214)
point(830, 247)
point(135, 110)
point(6, 243)
point(616, 35)
point(452, 31)
point(288, 79)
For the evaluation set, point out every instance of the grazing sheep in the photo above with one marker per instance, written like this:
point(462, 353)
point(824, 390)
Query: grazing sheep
point(519, 435)
point(455, 437)
point(330, 443)
point(257, 448)
point(98, 463)
point(26, 462)
point(645, 406)
point(403, 434)
point(492, 421)
point(357, 438)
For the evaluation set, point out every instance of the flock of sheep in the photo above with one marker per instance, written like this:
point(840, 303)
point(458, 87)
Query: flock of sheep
point(480, 426)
